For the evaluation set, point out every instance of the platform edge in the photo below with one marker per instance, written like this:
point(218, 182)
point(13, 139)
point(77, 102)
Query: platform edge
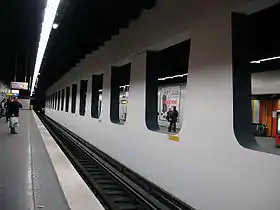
point(77, 193)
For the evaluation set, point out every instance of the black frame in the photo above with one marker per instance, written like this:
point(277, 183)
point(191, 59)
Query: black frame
point(74, 98)
point(97, 83)
point(118, 75)
point(67, 99)
point(62, 99)
point(83, 97)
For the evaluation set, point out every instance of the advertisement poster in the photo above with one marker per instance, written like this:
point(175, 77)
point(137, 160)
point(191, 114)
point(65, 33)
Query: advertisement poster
point(169, 97)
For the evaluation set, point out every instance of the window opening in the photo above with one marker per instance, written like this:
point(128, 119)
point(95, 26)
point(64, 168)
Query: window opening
point(256, 75)
point(74, 97)
point(96, 96)
point(62, 99)
point(83, 96)
point(120, 79)
point(166, 80)
point(53, 98)
point(67, 99)
point(58, 101)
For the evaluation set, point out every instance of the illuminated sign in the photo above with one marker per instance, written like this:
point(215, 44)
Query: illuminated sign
point(19, 85)
point(15, 91)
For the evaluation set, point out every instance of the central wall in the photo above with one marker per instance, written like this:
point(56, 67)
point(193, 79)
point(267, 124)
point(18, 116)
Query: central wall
point(209, 171)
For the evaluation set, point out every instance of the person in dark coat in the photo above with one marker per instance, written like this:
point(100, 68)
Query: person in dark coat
point(6, 105)
point(169, 115)
point(13, 107)
point(173, 120)
point(2, 104)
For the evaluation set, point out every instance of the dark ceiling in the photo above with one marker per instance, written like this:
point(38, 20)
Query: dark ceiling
point(20, 22)
point(84, 26)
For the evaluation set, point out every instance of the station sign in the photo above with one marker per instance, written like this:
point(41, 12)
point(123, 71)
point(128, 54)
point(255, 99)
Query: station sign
point(19, 85)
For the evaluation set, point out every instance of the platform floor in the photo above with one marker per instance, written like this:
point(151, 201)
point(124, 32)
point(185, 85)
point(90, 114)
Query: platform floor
point(27, 177)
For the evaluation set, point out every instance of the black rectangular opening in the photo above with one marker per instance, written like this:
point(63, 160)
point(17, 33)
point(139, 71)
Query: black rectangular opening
point(58, 101)
point(83, 96)
point(62, 99)
point(74, 95)
point(53, 98)
point(67, 99)
point(97, 83)
point(120, 78)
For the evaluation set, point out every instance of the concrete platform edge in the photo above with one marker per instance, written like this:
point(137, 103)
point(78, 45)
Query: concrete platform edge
point(77, 193)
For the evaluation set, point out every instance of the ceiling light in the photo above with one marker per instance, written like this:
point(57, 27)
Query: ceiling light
point(50, 12)
point(265, 59)
point(172, 77)
point(55, 26)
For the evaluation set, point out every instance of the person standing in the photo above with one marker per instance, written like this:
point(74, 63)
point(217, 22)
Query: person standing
point(6, 105)
point(13, 107)
point(169, 115)
point(2, 103)
point(173, 120)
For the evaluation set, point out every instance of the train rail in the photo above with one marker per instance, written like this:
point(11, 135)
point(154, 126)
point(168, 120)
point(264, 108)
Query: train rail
point(116, 186)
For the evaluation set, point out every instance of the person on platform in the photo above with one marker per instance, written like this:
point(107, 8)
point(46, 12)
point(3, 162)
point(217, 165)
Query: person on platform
point(13, 107)
point(6, 105)
point(2, 108)
point(169, 115)
point(173, 120)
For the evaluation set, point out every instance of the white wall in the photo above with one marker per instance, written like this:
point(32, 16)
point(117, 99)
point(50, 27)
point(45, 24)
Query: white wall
point(207, 168)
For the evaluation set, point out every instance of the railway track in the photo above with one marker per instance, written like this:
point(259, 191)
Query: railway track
point(116, 186)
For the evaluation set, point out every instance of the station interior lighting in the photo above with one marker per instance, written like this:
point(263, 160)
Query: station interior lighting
point(164, 78)
point(266, 59)
point(172, 77)
point(55, 26)
point(47, 25)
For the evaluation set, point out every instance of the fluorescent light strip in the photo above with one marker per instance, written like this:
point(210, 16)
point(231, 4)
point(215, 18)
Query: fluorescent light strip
point(123, 86)
point(172, 77)
point(164, 78)
point(49, 16)
point(266, 59)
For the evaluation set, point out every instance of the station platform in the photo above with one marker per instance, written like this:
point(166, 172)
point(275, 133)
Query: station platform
point(34, 172)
